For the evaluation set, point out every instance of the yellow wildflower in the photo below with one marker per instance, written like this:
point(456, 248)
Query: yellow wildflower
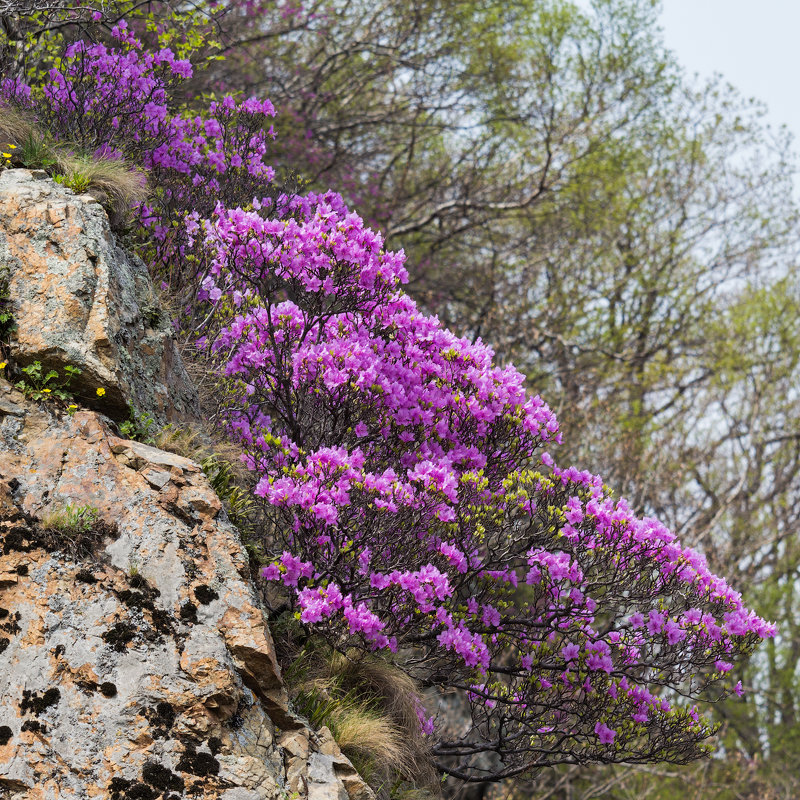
point(101, 391)
point(3, 364)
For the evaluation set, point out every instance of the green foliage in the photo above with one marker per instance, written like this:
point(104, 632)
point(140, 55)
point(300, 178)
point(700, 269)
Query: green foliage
point(7, 325)
point(37, 384)
point(238, 501)
point(78, 183)
point(623, 234)
point(35, 151)
point(140, 427)
point(188, 30)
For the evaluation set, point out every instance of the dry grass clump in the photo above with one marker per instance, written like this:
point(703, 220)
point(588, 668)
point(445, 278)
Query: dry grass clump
point(370, 707)
point(117, 187)
point(15, 127)
point(197, 442)
point(114, 183)
point(189, 441)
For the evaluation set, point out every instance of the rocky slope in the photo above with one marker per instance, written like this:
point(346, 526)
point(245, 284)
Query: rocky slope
point(135, 660)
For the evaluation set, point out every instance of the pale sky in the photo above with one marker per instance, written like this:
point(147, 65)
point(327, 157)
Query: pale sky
point(754, 44)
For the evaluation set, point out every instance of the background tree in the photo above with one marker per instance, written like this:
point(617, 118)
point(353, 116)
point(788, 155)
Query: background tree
point(626, 236)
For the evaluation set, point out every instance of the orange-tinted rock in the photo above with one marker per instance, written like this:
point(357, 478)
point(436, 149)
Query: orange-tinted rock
point(107, 680)
point(135, 659)
point(79, 300)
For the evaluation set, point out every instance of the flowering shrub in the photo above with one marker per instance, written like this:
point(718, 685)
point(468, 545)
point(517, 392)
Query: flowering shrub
point(118, 100)
point(416, 507)
point(421, 514)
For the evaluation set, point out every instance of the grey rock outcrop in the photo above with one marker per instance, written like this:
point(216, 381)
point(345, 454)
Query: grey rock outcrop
point(135, 659)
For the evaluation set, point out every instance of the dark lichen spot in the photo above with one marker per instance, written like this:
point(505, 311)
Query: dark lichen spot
point(162, 621)
point(200, 764)
point(135, 599)
point(118, 635)
point(108, 689)
point(160, 777)
point(13, 484)
point(3, 643)
point(84, 576)
point(34, 726)
point(189, 612)
point(140, 791)
point(20, 540)
point(22, 570)
point(10, 625)
point(138, 581)
point(215, 744)
point(117, 787)
point(3, 613)
point(204, 594)
point(161, 718)
point(37, 703)
point(5, 735)
point(236, 721)
point(59, 650)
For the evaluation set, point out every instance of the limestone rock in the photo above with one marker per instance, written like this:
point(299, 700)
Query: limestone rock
point(136, 661)
point(78, 299)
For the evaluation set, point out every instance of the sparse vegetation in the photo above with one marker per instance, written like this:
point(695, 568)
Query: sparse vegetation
point(113, 183)
point(238, 500)
point(6, 315)
point(189, 441)
point(70, 520)
point(224, 469)
point(371, 709)
point(38, 384)
point(140, 427)
point(78, 530)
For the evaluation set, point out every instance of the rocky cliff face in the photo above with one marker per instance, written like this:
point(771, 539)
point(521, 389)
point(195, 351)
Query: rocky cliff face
point(135, 660)
point(80, 300)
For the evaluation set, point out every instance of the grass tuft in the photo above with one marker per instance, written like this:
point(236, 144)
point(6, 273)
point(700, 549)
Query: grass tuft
point(16, 127)
point(370, 707)
point(117, 186)
point(70, 520)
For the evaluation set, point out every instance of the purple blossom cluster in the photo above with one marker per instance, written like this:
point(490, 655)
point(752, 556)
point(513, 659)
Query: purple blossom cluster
point(118, 100)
